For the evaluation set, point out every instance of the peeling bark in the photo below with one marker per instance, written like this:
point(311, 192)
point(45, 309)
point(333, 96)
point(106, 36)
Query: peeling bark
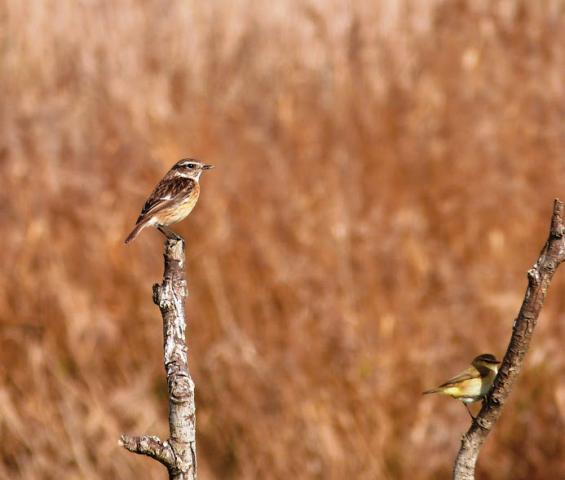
point(178, 452)
point(539, 279)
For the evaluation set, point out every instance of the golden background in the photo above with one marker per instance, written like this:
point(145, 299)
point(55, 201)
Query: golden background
point(385, 177)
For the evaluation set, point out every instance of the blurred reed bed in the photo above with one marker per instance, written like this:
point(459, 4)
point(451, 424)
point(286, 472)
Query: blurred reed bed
point(385, 178)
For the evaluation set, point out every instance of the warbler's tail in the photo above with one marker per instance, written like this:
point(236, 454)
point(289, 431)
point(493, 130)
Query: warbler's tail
point(433, 390)
point(135, 232)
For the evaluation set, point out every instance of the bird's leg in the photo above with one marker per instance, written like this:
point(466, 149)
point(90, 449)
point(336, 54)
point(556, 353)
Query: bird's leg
point(469, 410)
point(169, 233)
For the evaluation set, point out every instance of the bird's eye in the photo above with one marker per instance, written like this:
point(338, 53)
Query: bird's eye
point(191, 165)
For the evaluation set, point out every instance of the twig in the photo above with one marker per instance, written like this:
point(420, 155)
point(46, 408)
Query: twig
point(178, 452)
point(539, 279)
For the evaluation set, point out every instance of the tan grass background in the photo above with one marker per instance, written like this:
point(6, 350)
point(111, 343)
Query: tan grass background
point(385, 174)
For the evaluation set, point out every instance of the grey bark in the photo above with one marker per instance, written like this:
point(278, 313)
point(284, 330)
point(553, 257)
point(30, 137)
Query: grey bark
point(539, 279)
point(178, 452)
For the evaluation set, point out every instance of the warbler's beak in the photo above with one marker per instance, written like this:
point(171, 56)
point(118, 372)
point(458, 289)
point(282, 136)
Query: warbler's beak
point(207, 167)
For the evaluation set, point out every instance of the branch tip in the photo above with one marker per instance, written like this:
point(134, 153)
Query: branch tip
point(557, 219)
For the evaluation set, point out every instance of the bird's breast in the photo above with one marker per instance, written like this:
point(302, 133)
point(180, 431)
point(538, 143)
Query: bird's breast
point(471, 388)
point(179, 211)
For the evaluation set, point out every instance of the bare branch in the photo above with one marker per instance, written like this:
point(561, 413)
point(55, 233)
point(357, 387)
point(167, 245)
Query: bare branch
point(150, 446)
point(178, 453)
point(539, 279)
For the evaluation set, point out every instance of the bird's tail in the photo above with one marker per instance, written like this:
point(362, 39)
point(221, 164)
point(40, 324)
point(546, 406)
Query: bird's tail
point(135, 232)
point(433, 390)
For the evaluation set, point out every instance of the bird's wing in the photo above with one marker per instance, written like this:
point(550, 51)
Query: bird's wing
point(468, 374)
point(168, 191)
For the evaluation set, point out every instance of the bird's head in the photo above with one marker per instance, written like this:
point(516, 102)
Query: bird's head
point(486, 360)
point(190, 168)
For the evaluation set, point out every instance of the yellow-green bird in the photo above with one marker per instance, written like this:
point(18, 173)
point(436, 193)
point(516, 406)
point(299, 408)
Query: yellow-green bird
point(471, 384)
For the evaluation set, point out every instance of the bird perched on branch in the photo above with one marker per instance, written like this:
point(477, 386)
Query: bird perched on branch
point(173, 198)
point(471, 384)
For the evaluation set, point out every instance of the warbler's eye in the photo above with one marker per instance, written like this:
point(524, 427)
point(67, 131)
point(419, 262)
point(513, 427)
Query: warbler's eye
point(191, 165)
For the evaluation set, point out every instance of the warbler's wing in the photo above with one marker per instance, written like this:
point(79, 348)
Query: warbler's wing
point(169, 191)
point(467, 374)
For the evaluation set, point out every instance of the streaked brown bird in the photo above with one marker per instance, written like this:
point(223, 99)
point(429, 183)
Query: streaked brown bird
point(173, 198)
point(471, 384)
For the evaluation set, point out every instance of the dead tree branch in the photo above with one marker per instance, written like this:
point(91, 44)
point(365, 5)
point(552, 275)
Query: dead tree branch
point(539, 279)
point(178, 452)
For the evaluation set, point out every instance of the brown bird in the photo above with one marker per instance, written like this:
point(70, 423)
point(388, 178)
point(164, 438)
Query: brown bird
point(173, 198)
point(471, 384)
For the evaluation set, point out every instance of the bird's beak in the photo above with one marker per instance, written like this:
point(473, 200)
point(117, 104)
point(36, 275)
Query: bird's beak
point(207, 167)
